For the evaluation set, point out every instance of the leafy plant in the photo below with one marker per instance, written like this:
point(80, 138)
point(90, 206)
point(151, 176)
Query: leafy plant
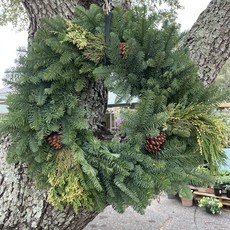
point(186, 193)
point(224, 172)
point(211, 205)
point(223, 180)
point(227, 187)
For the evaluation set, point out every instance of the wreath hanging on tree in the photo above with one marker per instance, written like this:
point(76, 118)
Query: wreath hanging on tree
point(50, 131)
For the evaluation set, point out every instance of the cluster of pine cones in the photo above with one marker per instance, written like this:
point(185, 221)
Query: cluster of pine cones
point(54, 140)
point(153, 144)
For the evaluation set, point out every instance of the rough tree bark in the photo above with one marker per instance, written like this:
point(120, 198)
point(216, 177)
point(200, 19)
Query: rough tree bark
point(22, 206)
point(209, 40)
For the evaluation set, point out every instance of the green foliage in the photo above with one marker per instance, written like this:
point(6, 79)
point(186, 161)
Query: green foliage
point(65, 57)
point(145, 178)
point(179, 157)
point(65, 183)
point(92, 20)
point(224, 179)
point(211, 205)
point(93, 45)
point(13, 12)
point(154, 60)
point(198, 122)
point(202, 177)
point(186, 193)
point(224, 172)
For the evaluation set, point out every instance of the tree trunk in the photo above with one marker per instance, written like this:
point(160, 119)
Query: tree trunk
point(40, 8)
point(209, 40)
point(23, 206)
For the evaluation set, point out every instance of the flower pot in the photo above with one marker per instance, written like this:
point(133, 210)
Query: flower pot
point(187, 202)
point(218, 191)
point(228, 193)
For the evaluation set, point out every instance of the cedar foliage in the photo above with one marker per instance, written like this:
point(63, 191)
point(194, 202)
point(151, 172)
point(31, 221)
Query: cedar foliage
point(87, 172)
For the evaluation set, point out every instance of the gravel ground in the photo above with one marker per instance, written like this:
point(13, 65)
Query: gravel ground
point(165, 214)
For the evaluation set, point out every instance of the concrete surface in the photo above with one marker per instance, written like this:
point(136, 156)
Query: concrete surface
point(165, 214)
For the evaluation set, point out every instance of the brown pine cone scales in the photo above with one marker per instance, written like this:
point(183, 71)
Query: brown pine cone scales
point(153, 144)
point(122, 49)
point(54, 140)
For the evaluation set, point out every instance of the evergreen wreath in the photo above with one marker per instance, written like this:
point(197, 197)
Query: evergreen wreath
point(51, 134)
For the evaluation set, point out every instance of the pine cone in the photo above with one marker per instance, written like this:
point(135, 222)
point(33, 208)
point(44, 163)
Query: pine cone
point(122, 49)
point(153, 144)
point(54, 140)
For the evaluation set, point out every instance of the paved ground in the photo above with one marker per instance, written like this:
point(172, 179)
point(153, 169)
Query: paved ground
point(167, 214)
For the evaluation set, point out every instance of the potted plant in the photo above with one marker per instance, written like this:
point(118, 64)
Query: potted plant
point(227, 187)
point(218, 191)
point(218, 187)
point(226, 181)
point(211, 205)
point(186, 196)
